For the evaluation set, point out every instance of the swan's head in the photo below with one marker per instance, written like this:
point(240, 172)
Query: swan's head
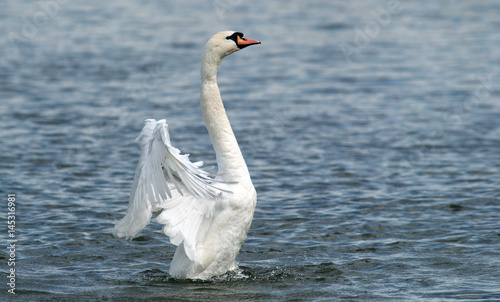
point(227, 42)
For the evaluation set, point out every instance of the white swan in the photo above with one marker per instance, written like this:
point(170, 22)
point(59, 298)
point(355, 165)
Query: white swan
point(206, 216)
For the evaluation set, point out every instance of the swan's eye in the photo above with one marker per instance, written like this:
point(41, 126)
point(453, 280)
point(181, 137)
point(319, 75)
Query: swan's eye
point(235, 36)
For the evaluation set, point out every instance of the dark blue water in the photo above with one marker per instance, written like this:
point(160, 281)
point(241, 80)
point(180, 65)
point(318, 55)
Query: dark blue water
point(371, 130)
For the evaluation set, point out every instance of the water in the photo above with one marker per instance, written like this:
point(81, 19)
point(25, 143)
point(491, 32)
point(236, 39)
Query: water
point(372, 133)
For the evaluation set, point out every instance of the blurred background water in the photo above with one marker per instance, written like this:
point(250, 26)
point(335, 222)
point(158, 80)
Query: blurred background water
point(371, 130)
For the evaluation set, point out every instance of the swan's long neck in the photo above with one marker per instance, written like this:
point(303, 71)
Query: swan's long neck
point(230, 161)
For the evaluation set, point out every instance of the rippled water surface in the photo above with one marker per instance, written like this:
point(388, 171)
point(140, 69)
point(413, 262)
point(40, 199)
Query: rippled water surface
point(371, 130)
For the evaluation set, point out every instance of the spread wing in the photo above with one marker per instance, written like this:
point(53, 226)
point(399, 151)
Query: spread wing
point(166, 180)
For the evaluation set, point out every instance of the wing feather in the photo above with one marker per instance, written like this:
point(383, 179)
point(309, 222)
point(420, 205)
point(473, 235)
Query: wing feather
point(166, 180)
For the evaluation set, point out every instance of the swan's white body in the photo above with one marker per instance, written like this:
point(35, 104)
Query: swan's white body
point(206, 216)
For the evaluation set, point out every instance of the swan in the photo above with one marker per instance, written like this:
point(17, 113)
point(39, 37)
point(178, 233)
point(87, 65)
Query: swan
point(207, 216)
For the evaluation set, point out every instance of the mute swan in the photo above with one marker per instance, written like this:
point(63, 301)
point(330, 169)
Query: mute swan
point(206, 216)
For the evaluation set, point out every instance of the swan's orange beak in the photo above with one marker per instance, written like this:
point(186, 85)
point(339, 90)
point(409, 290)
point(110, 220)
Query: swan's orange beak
point(244, 42)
